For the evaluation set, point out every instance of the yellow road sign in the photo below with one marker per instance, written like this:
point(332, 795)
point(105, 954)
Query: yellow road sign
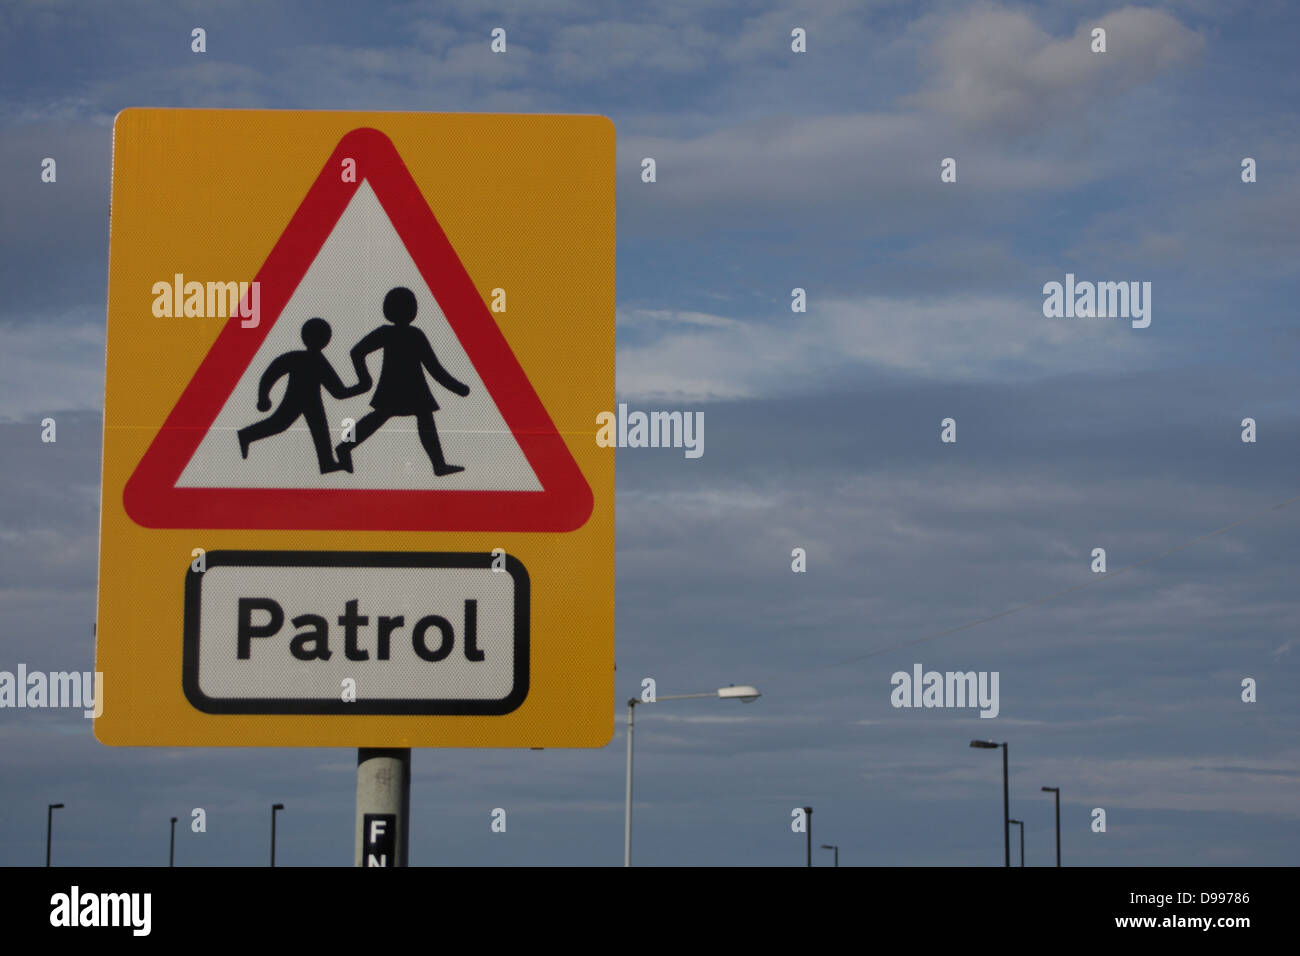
point(352, 494)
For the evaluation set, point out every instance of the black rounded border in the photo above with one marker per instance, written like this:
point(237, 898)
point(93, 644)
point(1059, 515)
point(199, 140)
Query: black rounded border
point(353, 559)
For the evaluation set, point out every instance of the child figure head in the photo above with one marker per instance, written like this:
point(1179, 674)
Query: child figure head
point(399, 306)
point(316, 334)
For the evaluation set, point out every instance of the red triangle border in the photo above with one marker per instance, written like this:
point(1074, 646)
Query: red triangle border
point(565, 502)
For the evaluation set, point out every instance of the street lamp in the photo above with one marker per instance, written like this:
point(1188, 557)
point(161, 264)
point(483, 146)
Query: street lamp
point(829, 846)
point(743, 693)
point(1021, 824)
point(171, 854)
point(1057, 791)
point(49, 827)
point(274, 808)
point(1006, 796)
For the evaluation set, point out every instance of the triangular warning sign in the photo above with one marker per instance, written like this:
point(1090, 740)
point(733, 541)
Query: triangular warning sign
point(243, 448)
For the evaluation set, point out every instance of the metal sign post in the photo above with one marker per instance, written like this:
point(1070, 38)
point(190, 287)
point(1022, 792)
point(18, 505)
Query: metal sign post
point(383, 807)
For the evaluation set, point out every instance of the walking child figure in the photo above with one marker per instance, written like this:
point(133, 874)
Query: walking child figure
point(309, 371)
point(402, 389)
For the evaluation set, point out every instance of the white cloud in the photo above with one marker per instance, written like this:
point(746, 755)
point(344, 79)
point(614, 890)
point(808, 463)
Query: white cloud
point(998, 70)
point(700, 357)
point(53, 364)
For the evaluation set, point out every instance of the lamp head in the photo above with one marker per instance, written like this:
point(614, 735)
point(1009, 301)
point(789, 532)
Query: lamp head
point(984, 744)
point(744, 692)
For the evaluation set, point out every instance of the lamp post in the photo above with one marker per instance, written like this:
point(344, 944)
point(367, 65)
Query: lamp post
point(274, 808)
point(831, 846)
point(744, 693)
point(49, 827)
point(1006, 796)
point(171, 854)
point(1057, 791)
point(1021, 824)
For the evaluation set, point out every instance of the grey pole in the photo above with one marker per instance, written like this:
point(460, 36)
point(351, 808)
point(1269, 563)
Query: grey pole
point(1021, 824)
point(744, 693)
point(1006, 808)
point(807, 821)
point(275, 807)
point(49, 827)
point(627, 808)
point(1057, 791)
point(384, 786)
point(831, 846)
point(171, 854)
point(1006, 796)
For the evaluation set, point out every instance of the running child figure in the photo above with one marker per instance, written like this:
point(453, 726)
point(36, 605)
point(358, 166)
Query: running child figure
point(308, 371)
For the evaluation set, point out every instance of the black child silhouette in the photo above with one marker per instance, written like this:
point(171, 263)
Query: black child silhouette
point(402, 389)
point(309, 371)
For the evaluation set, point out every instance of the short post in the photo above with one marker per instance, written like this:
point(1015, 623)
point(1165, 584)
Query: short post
point(1057, 792)
point(275, 808)
point(807, 822)
point(49, 827)
point(1021, 824)
point(627, 805)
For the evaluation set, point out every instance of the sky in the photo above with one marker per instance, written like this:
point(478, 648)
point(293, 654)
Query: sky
point(777, 170)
